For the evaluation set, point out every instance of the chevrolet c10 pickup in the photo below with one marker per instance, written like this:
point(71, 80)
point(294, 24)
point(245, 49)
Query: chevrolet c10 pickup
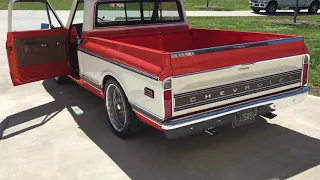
point(149, 66)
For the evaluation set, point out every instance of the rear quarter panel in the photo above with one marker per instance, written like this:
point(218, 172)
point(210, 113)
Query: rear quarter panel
point(134, 68)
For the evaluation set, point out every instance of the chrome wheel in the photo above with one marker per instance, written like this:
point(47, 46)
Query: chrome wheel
point(116, 107)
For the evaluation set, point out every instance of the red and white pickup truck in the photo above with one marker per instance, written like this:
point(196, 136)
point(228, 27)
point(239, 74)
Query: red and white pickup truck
point(149, 66)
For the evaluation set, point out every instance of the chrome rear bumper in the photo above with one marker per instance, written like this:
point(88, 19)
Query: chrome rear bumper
point(216, 118)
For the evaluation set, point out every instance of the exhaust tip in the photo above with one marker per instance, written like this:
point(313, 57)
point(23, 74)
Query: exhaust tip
point(269, 115)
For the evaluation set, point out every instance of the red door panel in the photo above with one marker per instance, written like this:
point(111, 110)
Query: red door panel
point(37, 55)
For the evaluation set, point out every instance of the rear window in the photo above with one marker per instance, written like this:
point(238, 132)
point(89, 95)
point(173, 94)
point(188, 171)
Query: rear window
point(137, 12)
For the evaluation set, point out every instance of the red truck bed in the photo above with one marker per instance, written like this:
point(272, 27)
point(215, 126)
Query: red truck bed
point(194, 50)
point(191, 39)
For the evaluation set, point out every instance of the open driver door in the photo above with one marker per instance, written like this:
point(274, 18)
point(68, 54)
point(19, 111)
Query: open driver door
point(39, 54)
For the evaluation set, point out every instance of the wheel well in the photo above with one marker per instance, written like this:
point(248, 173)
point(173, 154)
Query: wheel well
point(109, 77)
point(105, 79)
point(274, 2)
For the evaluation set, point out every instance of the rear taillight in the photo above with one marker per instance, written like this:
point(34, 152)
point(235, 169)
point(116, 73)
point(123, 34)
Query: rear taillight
point(305, 70)
point(167, 103)
point(167, 97)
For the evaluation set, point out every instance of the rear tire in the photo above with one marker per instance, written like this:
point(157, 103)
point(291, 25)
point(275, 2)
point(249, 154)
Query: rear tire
point(122, 119)
point(314, 7)
point(271, 8)
point(62, 80)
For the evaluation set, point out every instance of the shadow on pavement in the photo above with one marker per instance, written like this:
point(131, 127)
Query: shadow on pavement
point(256, 151)
point(279, 13)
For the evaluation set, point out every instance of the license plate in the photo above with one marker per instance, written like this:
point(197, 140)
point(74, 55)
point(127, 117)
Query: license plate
point(244, 117)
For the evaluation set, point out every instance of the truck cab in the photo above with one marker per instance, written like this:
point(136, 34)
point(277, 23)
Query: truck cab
point(271, 6)
point(149, 66)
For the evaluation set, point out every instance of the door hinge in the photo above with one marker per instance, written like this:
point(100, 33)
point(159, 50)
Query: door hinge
point(9, 48)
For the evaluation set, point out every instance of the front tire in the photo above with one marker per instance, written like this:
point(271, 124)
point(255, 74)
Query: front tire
point(271, 8)
point(122, 119)
point(313, 8)
point(255, 10)
point(62, 80)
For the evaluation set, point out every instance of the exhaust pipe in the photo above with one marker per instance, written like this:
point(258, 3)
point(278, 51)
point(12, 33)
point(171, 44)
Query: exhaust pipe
point(269, 115)
point(211, 131)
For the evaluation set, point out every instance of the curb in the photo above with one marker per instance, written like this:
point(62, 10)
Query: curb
point(315, 97)
point(3, 126)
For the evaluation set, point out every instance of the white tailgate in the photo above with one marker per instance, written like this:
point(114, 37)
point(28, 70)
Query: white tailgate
point(198, 91)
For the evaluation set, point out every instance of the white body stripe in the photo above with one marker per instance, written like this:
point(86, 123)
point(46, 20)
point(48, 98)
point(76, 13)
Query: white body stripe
point(132, 83)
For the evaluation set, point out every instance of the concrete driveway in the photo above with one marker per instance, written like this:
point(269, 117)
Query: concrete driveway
point(60, 132)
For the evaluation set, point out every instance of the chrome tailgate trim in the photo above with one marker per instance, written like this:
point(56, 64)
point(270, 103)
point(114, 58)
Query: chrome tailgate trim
point(233, 47)
point(275, 102)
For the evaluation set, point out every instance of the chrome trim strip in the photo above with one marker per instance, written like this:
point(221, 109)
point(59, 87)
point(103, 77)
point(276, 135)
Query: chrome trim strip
point(180, 108)
point(237, 83)
point(149, 115)
point(120, 64)
point(185, 121)
point(216, 49)
point(285, 40)
point(233, 47)
point(90, 81)
point(232, 66)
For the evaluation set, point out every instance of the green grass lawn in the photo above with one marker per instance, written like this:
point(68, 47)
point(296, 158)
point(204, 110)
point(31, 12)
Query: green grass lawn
point(225, 5)
point(311, 33)
point(57, 4)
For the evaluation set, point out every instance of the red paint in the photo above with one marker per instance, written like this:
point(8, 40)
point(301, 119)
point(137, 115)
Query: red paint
point(167, 98)
point(27, 74)
point(76, 80)
point(146, 60)
point(98, 92)
point(73, 35)
point(149, 51)
point(149, 122)
point(305, 74)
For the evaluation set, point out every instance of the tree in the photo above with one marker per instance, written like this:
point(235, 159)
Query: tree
point(296, 11)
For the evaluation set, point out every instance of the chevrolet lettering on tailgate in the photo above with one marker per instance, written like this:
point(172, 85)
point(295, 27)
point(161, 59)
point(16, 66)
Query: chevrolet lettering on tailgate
point(224, 92)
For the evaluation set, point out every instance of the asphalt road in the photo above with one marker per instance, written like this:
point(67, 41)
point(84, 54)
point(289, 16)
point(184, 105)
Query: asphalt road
point(60, 132)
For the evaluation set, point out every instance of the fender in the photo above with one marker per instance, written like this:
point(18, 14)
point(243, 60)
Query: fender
point(114, 75)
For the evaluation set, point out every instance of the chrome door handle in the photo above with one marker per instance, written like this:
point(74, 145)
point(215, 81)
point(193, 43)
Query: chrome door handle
point(43, 45)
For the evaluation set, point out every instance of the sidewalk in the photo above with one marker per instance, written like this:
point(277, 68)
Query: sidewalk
point(242, 13)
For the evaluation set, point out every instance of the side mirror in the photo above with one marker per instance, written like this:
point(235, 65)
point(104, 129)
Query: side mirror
point(45, 26)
